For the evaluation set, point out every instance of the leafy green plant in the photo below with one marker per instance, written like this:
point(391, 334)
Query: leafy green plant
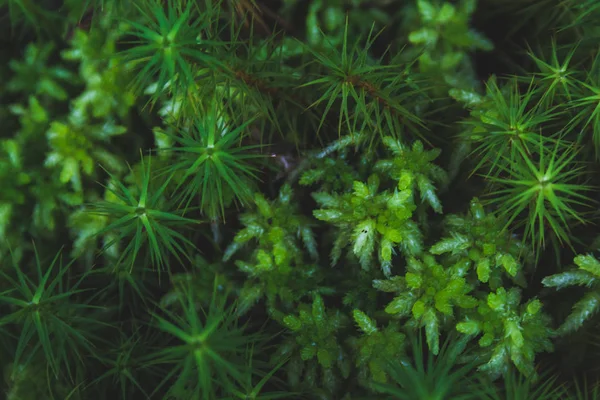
point(314, 345)
point(371, 222)
point(478, 240)
point(376, 346)
point(277, 261)
point(511, 332)
point(428, 294)
point(319, 182)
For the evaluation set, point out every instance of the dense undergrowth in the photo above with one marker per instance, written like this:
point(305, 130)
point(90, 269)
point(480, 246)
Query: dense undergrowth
point(324, 199)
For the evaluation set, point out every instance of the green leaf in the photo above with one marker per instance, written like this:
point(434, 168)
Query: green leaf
point(292, 322)
point(364, 322)
point(427, 10)
point(588, 263)
point(468, 327)
point(454, 244)
point(432, 331)
point(483, 270)
point(510, 264)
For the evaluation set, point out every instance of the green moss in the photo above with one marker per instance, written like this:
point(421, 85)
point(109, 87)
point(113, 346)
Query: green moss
point(235, 199)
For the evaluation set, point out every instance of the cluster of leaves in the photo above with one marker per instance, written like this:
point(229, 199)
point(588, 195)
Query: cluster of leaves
point(239, 186)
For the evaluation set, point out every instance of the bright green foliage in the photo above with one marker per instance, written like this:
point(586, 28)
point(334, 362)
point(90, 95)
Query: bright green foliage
point(511, 332)
point(371, 222)
point(204, 353)
point(441, 36)
point(413, 168)
point(535, 177)
point(478, 241)
point(102, 71)
point(52, 326)
point(315, 332)
point(428, 294)
point(142, 217)
point(278, 236)
point(376, 346)
point(314, 341)
point(586, 275)
point(75, 149)
point(210, 163)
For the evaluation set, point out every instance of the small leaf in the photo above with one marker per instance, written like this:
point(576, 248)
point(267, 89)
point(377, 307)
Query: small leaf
point(400, 306)
point(454, 244)
point(318, 312)
point(432, 331)
point(510, 264)
point(588, 263)
point(468, 327)
point(325, 358)
point(363, 321)
point(470, 99)
point(418, 309)
point(483, 270)
point(446, 13)
point(423, 36)
point(292, 322)
point(427, 10)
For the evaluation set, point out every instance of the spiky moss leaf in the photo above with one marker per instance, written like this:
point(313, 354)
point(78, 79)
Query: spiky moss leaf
point(354, 85)
point(168, 45)
point(205, 347)
point(211, 164)
point(515, 386)
point(52, 325)
point(507, 121)
point(141, 216)
point(544, 195)
point(426, 376)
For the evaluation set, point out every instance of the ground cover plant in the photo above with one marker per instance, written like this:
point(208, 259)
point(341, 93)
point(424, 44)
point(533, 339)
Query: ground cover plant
point(299, 199)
